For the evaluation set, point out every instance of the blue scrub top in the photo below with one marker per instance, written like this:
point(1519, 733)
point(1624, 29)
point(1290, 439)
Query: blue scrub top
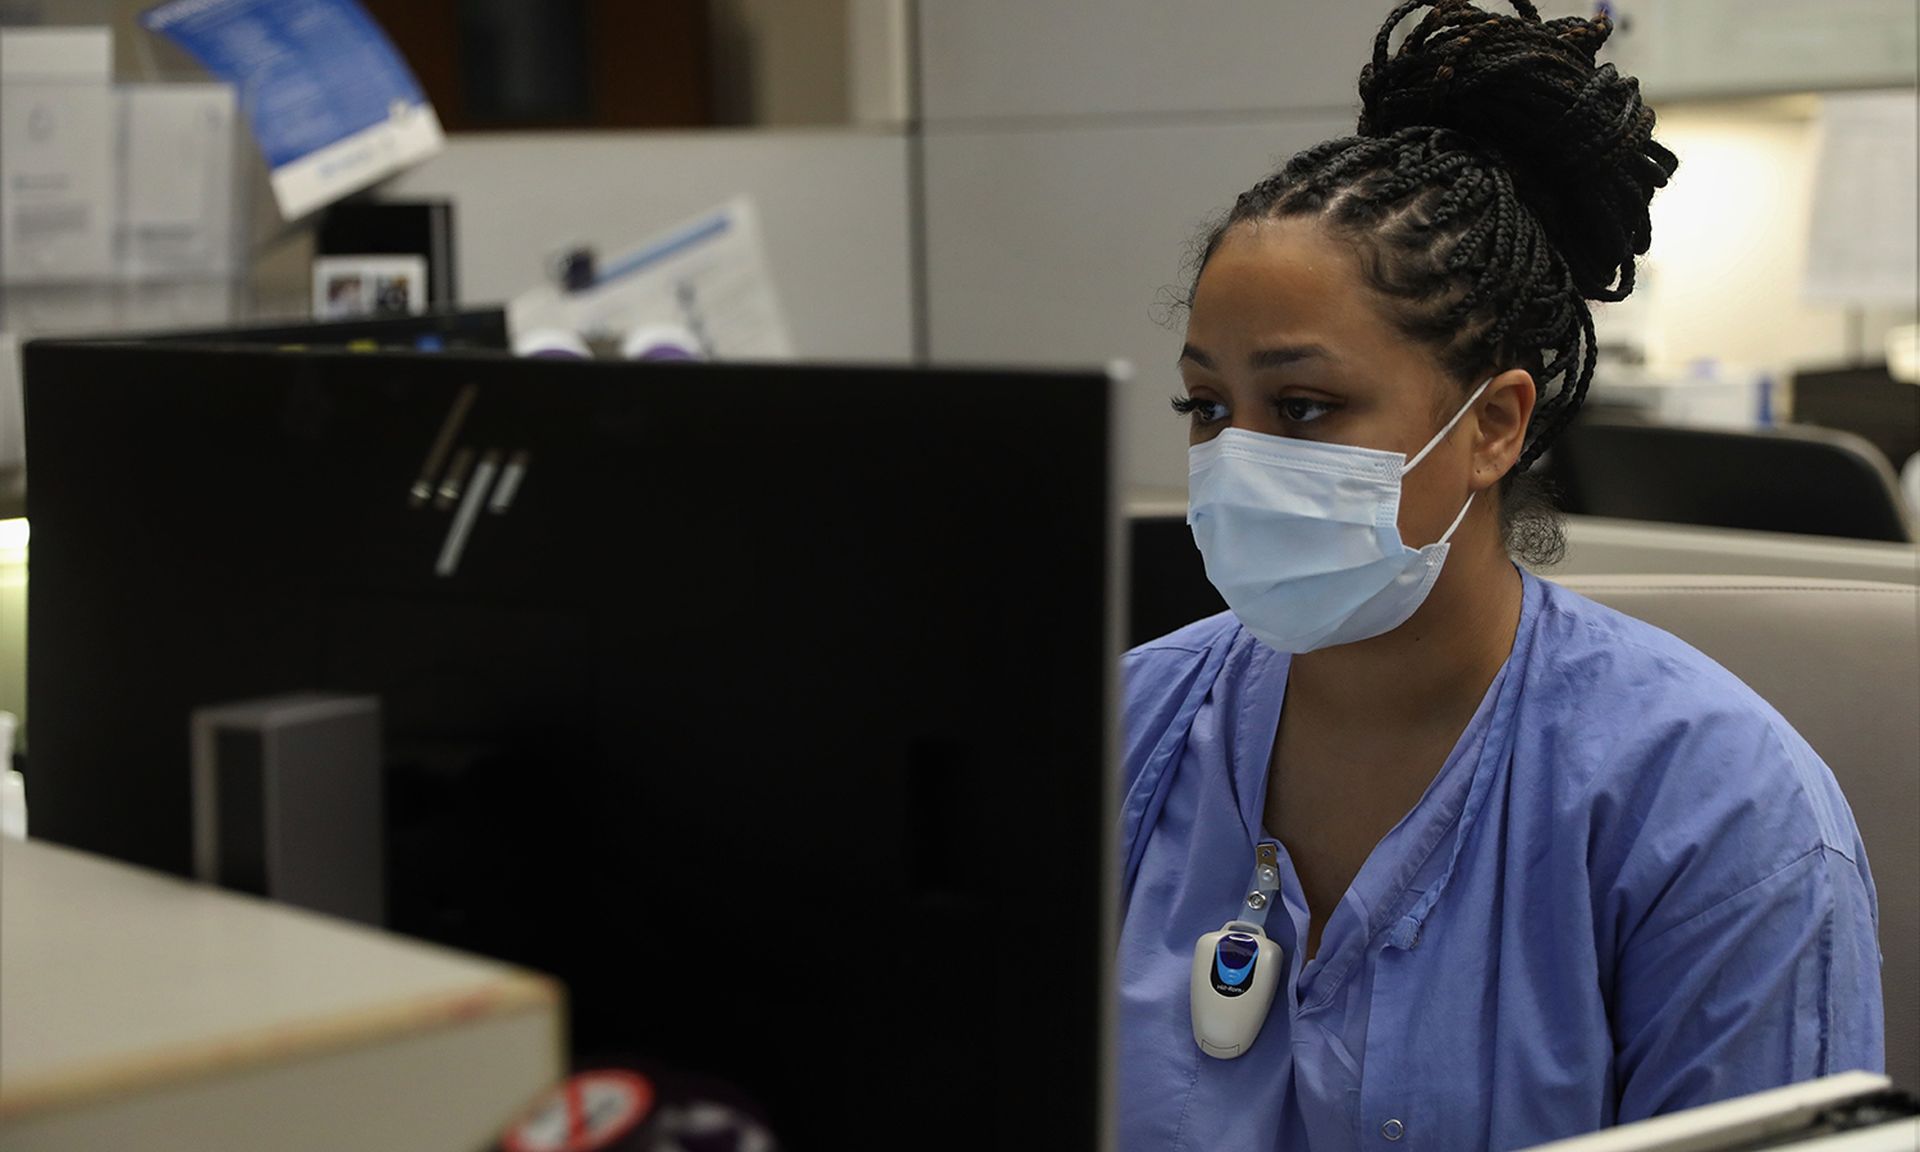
point(1632, 888)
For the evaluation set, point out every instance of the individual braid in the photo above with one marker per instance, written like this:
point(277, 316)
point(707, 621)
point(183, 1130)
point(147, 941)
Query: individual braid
point(1499, 181)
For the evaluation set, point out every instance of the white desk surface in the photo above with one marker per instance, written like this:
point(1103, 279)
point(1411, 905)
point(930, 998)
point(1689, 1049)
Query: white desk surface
point(115, 980)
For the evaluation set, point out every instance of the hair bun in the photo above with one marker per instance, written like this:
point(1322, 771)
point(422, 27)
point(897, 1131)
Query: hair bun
point(1575, 136)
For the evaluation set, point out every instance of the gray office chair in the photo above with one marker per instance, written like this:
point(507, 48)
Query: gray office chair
point(1841, 661)
point(1794, 478)
point(1867, 402)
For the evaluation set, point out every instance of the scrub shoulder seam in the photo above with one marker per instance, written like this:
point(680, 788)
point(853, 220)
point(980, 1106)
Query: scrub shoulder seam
point(1812, 853)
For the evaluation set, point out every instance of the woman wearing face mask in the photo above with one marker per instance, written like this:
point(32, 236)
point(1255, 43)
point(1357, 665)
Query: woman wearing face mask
point(1419, 849)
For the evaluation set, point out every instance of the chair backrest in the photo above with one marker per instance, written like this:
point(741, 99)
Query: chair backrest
point(1813, 481)
point(1840, 660)
point(1867, 402)
point(1600, 547)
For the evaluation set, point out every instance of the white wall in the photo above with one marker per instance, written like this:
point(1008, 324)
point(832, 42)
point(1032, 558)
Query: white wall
point(1066, 245)
point(1076, 148)
point(1028, 59)
point(833, 207)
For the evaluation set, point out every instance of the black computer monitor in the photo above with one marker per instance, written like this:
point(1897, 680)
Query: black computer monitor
point(1167, 585)
point(772, 713)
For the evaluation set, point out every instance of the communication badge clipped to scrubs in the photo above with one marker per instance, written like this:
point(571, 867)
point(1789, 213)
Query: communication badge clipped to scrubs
point(1236, 969)
point(1302, 539)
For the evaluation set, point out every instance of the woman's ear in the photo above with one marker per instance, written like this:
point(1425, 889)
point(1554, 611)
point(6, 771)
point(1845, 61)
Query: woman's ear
point(1501, 420)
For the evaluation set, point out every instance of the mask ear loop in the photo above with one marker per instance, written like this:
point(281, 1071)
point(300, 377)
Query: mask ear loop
point(1435, 443)
point(1451, 425)
point(1457, 520)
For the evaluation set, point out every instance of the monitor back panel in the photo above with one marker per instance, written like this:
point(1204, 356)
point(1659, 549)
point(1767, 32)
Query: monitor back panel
point(770, 711)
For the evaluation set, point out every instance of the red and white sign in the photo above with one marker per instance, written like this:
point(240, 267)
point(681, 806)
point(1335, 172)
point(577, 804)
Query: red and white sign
point(588, 1113)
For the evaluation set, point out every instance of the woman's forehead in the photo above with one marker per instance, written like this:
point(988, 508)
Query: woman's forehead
point(1283, 280)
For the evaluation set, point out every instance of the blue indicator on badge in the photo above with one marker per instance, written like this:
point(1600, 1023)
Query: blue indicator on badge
point(1233, 959)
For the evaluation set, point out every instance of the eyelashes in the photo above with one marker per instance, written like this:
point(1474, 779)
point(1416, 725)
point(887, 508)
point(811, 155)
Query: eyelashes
point(1302, 410)
point(1201, 412)
point(1290, 410)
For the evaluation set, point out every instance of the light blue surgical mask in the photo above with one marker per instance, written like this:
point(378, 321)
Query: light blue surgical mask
point(1303, 539)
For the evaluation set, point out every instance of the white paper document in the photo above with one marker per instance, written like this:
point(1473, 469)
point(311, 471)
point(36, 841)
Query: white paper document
point(329, 99)
point(1862, 246)
point(57, 186)
point(177, 180)
point(708, 275)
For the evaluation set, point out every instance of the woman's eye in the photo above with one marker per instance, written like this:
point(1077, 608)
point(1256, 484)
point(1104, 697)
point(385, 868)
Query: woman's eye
point(1202, 412)
point(1302, 410)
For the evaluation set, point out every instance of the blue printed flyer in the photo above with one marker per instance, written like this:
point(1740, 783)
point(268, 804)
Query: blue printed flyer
point(331, 103)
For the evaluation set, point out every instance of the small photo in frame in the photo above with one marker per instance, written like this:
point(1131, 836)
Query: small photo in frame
point(350, 286)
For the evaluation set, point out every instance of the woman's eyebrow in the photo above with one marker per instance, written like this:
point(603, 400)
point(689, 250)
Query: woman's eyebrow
point(1286, 354)
point(1189, 353)
point(1275, 357)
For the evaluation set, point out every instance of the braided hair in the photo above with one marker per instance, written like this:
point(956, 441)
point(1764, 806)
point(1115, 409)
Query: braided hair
point(1497, 182)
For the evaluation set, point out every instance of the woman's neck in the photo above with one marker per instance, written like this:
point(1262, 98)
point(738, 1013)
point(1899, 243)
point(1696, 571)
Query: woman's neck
point(1435, 668)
